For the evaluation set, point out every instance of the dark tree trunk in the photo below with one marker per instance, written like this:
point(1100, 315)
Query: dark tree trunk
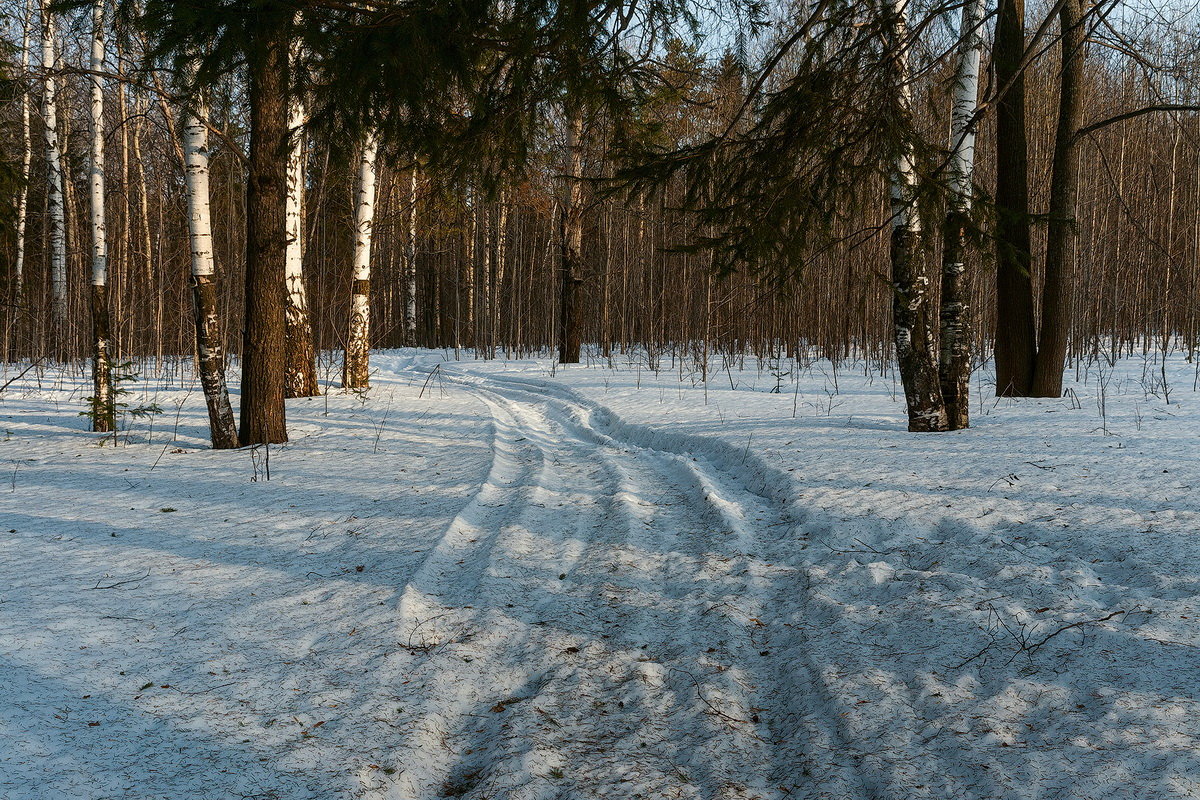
point(1060, 229)
point(104, 410)
point(955, 320)
point(263, 344)
point(1015, 343)
point(212, 363)
point(570, 266)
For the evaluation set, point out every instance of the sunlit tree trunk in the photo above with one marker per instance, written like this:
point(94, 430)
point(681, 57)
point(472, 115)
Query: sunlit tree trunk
point(356, 365)
point(570, 269)
point(912, 306)
point(26, 162)
point(54, 163)
point(301, 373)
point(1060, 227)
point(103, 408)
point(211, 360)
point(955, 316)
point(263, 347)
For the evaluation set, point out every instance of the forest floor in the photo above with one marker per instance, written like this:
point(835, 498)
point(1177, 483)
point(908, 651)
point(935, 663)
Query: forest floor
point(506, 580)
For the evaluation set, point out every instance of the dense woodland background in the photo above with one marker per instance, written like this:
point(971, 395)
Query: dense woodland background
point(480, 257)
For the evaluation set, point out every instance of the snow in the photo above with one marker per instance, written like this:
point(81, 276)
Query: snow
point(522, 580)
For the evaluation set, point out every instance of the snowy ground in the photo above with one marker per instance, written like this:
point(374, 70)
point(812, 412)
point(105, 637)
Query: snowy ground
point(501, 580)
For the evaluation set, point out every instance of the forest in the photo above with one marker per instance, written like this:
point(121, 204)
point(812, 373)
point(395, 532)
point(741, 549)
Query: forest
point(599, 398)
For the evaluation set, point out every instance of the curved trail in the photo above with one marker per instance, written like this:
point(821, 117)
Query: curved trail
point(601, 620)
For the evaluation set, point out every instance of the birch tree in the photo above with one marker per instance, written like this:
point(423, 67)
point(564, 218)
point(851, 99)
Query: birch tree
point(410, 264)
point(301, 374)
point(356, 364)
point(209, 355)
point(26, 163)
point(56, 209)
point(103, 412)
point(955, 316)
point(912, 301)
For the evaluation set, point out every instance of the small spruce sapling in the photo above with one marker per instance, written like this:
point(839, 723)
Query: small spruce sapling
point(122, 374)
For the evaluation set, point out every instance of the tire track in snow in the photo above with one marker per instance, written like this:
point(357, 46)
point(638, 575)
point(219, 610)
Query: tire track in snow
point(653, 661)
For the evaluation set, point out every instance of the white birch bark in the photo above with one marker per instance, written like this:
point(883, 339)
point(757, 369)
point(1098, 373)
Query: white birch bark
point(103, 410)
point(914, 331)
point(954, 316)
point(208, 339)
point(56, 207)
point(26, 162)
point(356, 366)
point(195, 153)
point(410, 308)
point(966, 102)
point(96, 170)
point(300, 370)
point(904, 173)
point(293, 215)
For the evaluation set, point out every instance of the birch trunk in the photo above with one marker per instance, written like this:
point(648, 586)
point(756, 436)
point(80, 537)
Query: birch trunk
point(263, 349)
point(26, 162)
point(1060, 227)
point(570, 255)
point(911, 302)
point(56, 208)
point(410, 257)
point(103, 408)
point(955, 316)
point(211, 360)
point(300, 372)
point(356, 364)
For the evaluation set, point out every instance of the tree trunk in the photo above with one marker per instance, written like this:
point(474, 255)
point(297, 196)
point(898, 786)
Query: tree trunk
point(55, 205)
point(300, 372)
point(1015, 344)
point(356, 367)
point(211, 360)
point(570, 258)
point(263, 346)
point(955, 316)
point(410, 266)
point(104, 412)
point(15, 291)
point(911, 302)
point(1060, 228)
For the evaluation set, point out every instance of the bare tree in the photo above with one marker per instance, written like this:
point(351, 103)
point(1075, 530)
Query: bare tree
point(209, 355)
point(103, 413)
point(356, 368)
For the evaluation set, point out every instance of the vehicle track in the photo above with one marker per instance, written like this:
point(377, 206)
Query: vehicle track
point(600, 621)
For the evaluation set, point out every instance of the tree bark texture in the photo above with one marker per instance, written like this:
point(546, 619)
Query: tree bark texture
point(263, 344)
point(570, 258)
point(1015, 348)
point(356, 367)
point(1060, 228)
point(210, 360)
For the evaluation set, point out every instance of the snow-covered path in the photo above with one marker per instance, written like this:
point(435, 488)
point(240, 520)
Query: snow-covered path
point(612, 610)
